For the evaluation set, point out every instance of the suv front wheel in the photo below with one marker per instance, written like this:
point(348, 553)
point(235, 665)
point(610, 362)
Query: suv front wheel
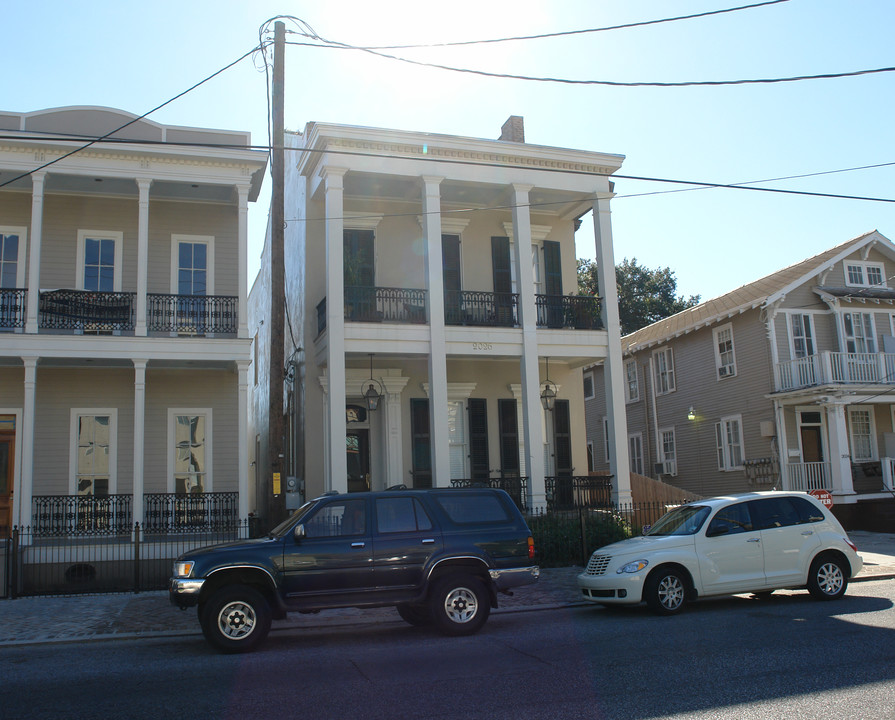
point(236, 618)
point(460, 604)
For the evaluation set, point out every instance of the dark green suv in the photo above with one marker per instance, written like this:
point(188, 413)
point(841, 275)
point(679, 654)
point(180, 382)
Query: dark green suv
point(438, 556)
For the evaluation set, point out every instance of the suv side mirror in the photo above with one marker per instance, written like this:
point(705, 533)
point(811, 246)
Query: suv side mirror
point(299, 532)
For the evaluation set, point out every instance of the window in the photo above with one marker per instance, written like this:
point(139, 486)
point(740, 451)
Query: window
point(401, 515)
point(192, 279)
point(864, 274)
point(664, 364)
point(863, 445)
point(775, 513)
point(471, 508)
point(635, 453)
point(729, 441)
point(667, 451)
point(94, 438)
point(802, 335)
point(590, 456)
point(189, 462)
point(606, 436)
point(731, 520)
point(99, 260)
point(588, 386)
point(12, 257)
point(338, 519)
point(631, 381)
point(859, 336)
point(724, 359)
point(457, 449)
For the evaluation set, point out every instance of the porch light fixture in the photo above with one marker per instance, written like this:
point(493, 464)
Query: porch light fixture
point(549, 395)
point(691, 415)
point(371, 395)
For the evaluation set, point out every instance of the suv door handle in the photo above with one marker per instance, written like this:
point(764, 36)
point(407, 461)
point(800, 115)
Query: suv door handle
point(358, 544)
point(428, 541)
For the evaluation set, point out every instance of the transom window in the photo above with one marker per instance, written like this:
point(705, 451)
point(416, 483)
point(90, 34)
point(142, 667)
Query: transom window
point(864, 274)
point(724, 358)
point(664, 365)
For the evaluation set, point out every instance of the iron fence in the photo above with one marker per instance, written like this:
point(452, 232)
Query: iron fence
point(77, 515)
point(192, 314)
point(86, 310)
point(12, 308)
point(189, 512)
point(579, 312)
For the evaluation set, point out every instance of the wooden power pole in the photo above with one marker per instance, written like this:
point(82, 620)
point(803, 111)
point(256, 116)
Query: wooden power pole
point(276, 439)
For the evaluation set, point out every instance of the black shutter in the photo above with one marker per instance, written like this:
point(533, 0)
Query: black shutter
point(500, 264)
point(450, 260)
point(562, 437)
point(509, 438)
point(479, 466)
point(421, 451)
point(553, 284)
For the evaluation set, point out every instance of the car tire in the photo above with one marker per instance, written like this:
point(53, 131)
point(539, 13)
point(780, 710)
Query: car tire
point(460, 604)
point(236, 619)
point(828, 577)
point(416, 615)
point(665, 591)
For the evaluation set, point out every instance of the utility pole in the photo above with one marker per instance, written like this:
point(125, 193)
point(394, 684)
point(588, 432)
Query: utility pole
point(275, 439)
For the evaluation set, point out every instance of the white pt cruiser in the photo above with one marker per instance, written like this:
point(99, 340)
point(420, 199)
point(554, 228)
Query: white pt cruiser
point(753, 543)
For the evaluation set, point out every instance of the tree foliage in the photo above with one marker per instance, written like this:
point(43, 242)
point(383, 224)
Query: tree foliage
point(644, 295)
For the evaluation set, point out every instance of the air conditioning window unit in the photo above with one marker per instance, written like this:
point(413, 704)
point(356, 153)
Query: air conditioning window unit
point(666, 467)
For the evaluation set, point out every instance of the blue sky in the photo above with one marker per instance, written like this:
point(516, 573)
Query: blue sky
point(136, 56)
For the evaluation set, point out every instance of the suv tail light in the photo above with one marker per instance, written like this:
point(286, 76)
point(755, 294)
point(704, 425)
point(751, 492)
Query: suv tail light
point(531, 548)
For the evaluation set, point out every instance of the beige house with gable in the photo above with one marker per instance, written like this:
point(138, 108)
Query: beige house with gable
point(787, 382)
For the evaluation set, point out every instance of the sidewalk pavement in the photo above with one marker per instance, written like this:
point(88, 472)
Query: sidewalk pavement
point(77, 618)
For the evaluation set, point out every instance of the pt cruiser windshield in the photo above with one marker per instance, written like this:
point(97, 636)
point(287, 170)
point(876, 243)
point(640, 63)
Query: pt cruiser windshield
point(683, 520)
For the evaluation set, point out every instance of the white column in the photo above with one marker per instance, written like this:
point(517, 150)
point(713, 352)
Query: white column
point(139, 437)
point(438, 400)
point(840, 456)
point(27, 490)
point(337, 467)
point(143, 186)
point(532, 413)
point(37, 210)
point(613, 370)
point(242, 261)
point(242, 435)
point(394, 455)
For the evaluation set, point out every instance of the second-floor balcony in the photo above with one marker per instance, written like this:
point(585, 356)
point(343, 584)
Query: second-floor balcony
point(835, 368)
point(105, 313)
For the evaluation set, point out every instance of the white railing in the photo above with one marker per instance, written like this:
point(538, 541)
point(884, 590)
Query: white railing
point(888, 465)
point(833, 367)
point(808, 476)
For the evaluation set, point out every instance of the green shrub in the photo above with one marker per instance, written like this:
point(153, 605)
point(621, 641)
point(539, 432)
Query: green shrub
point(558, 536)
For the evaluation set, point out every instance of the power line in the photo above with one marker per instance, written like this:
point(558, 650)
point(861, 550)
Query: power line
point(130, 122)
point(542, 36)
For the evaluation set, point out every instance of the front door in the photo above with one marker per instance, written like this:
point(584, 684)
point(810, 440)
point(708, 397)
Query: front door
point(7, 458)
point(357, 450)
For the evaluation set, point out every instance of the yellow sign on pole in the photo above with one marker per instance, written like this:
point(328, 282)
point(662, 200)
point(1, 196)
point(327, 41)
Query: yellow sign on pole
point(276, 484)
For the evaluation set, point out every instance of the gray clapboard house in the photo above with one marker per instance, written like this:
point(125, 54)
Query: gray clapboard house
point(787, 382)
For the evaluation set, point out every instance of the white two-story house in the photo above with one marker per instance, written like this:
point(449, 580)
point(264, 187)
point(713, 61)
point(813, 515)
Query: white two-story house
point(124, 343)
point(434, 331)
point(787, 382)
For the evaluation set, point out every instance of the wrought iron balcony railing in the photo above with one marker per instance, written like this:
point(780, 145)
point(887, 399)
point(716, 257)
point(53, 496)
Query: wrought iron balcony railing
point(472, 307)
point(192, 314)
point(86, 310)
point(81, 515)
point(384, 304)
point(12, 308)
point(579, 312)
point(192, 512)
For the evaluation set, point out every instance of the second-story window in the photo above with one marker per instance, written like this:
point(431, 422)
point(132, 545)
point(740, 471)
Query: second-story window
point(664, 368)
point(864, 274)
point(192, 268)
point(631, 381)
point(11, 254)
point(859, 336)
point(588, 386)
point(724, 358)
point(99, 256)
point(802, 335)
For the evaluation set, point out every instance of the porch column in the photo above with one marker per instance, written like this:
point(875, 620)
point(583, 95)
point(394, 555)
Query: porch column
point(337, 467)
point(532, 413)
point(143, 185)
point(613, 369)
point(438, 396)
point(242, 264)
point(26, 492)
point(242, 437)
point(394, 455)
point(37, 214)
point(782, 446)
point(139, 437)
point(840, 456)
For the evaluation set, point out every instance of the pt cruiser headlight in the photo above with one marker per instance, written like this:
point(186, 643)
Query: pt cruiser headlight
point(183, 568)
point(633, 567)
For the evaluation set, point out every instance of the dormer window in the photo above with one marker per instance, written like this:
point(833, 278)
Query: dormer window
point(864, 274)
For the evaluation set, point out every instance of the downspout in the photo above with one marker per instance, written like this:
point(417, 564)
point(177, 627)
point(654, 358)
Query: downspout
point(652, 387)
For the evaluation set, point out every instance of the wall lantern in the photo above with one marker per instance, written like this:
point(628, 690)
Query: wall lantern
point(371, 395)
point(549, 395)
point(691, 415)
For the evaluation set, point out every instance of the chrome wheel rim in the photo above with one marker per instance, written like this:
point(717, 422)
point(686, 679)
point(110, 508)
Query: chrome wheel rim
point(671, 592)
point(461, 605)
point(830, 578)
point(237, 620)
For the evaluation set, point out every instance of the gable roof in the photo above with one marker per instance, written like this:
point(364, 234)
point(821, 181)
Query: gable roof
point(760, 293)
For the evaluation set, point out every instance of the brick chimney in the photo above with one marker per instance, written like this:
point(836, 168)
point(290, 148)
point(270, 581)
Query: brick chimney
point(513, 129)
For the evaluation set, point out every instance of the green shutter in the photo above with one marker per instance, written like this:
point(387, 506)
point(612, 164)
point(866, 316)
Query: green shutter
point(478, 440)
